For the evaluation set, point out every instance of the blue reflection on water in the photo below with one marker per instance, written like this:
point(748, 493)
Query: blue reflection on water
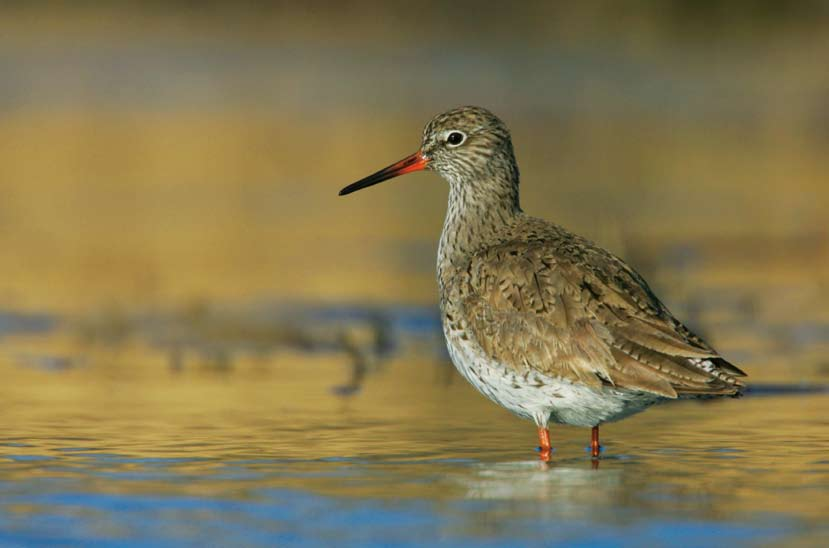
point(281, 517)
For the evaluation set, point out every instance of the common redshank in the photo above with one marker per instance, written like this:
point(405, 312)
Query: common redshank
point(538, 319)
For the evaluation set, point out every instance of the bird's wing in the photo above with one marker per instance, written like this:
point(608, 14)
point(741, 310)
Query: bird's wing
point(586, 317)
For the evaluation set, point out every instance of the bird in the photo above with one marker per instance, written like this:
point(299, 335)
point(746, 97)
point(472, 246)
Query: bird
point(538, 319)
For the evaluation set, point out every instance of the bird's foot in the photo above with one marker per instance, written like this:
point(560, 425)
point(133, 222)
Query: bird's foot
point(594, 452)
point(545, 448)
point(545, 453)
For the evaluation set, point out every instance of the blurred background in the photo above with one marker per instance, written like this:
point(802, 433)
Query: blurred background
point(152, 153)
point(158, 156)
point(168, 200)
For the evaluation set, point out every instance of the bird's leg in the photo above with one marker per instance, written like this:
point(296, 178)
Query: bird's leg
point(595, 448)
point(545, 448)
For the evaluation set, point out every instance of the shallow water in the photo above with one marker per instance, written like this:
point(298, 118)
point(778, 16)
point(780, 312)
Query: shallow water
point(130, 446)
point(173, 370)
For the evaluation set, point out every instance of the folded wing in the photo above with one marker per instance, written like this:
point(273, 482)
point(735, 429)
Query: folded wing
point(580, 313)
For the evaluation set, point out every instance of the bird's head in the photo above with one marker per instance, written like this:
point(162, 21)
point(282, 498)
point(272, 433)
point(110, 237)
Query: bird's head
point(466, 146)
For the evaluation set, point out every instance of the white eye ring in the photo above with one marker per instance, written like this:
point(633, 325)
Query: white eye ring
point(452, 138)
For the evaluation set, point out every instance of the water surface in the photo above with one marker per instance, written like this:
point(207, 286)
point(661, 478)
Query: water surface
point(130, 447)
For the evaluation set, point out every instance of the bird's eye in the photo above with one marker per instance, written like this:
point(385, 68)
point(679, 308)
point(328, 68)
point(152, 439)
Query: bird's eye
point(455, 138)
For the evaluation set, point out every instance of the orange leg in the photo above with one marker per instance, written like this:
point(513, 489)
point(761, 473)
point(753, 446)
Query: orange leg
point(594, 443)
point(544, 443)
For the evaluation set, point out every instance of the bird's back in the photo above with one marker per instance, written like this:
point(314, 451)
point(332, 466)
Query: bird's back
point(538, 298)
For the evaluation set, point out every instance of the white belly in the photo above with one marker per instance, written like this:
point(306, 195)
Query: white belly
point(539, 397)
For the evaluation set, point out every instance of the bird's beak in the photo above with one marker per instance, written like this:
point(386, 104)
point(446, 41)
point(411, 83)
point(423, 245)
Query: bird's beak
point(415, 162)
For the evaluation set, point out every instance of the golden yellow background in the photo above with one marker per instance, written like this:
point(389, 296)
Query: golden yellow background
point(157, 154)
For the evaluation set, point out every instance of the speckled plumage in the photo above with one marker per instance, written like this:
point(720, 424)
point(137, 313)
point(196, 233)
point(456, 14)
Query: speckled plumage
point(538, 319)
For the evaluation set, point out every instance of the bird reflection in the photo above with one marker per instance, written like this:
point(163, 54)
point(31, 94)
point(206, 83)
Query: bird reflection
point(566, 486)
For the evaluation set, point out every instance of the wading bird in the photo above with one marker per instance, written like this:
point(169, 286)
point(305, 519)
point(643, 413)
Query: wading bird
point(540, 320)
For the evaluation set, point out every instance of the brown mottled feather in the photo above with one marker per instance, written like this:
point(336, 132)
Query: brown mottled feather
point(551, 301)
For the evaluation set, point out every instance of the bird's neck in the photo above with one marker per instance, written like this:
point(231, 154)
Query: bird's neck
point(478, 216)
